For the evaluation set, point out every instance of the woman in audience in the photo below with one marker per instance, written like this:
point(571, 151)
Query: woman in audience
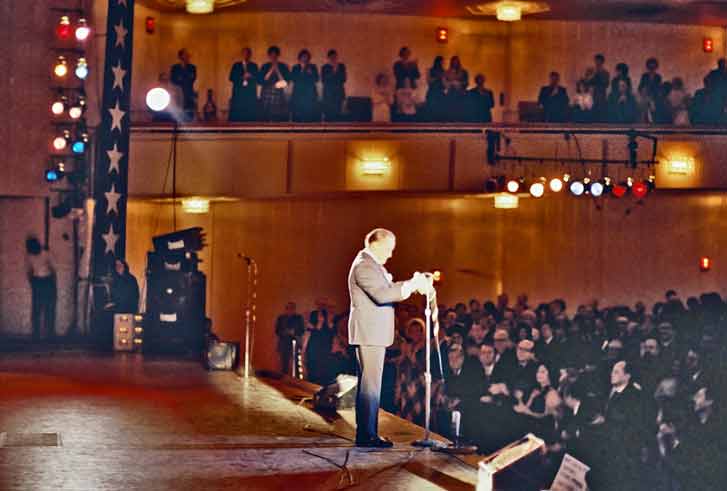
point(622, 105)
point(274, 77)
point(582, 109)
point(243, 75)
point(333, 76)
point(435, 90)
point(382, 98)
point(679, 101)
point(406, 106)
point(456, 81)
point(622, 73)
point(304, 101)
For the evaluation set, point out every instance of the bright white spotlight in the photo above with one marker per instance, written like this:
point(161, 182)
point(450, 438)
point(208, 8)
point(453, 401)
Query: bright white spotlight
point(157, 99)
point(596, 189)
point(82, 69)
point(75, 112)
point(577, 188)
point(537, 189)
point(556, 185)
point(512, 186)
point(82, 30)
point(59, 143)
point(57, 108)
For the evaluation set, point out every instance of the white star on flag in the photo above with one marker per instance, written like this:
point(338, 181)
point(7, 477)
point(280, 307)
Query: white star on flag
point(121, 33)
point(110, 238)
point(119, 74)
point(112, 198)
point(116, 114)
point(114, 158)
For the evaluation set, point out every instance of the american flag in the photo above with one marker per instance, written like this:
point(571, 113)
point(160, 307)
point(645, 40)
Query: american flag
point(112, 156)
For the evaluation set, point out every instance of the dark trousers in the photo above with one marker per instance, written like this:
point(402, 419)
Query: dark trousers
point(370, 370)
point(43, 304)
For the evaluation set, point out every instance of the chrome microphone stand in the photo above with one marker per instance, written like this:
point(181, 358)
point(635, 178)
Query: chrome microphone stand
point(427, 441)
point(250, 309)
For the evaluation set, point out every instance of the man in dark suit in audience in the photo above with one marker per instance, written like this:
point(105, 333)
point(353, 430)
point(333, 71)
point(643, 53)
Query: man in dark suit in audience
point(553, 99)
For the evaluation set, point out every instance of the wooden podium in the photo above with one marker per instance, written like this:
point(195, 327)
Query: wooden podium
point(513, 467)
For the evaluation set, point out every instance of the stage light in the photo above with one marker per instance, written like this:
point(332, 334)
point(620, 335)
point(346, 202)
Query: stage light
point(437, 276)
point(513, 186)
point(82, 30)
point(537, 189)
point(509, 12)
point(705, 264)
point(59, 106)
point(55, 173)
point(375, 167)
point(75, 111)
point(200, 6)
point(596, 189)
point(577, 188)
point(78, 147)
point(157, 99)
point(639, 190)
point(61, 67)
point(63, 29)
point(566, 177)
point(82, 68)
point(619, 190)
point(505, 201)
point(556, 185)
point(59, 143)
point(196, 205)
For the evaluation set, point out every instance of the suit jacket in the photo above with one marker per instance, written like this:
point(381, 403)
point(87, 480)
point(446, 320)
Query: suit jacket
point(373, 294)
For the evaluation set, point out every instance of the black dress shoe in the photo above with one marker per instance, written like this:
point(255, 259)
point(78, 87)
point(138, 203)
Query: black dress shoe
point(375, 443)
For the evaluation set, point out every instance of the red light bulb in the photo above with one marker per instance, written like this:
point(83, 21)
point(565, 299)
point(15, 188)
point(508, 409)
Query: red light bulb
point(640, 190)
point(618, 191)
point(63, 29)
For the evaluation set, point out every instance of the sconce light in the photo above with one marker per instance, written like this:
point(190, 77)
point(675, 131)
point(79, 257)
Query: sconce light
point(375, 167)
point(509, 12)
point(442, 35)
point(705, 264)
point(708, 45)
point(506, 201)
point(680, 165)
point(196, 205)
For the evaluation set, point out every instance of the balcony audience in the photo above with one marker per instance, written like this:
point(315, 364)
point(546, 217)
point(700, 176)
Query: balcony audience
point(651, 80)
point(184, 76)
point(406, 68)
point(244, 78)
point(553, 100)
point(274, 77)
point(436, 107)
point(481, 101)
point(599, 80)
point(456, 81)
point(304, 100)
point(406, 106)
point(382, 98)
point(582, 107)
point(622, 105)
point(333, 77)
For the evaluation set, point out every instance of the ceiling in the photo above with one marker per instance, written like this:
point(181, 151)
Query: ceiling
point(706, 12)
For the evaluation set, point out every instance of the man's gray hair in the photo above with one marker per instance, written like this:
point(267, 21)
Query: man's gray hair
point(376, 235)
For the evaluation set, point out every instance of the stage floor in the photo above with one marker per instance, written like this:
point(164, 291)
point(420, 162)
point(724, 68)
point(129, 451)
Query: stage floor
point(79, 421)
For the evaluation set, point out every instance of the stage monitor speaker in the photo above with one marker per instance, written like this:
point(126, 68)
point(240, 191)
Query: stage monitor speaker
point(220, 355)
point(339, 395)
point(514, 467)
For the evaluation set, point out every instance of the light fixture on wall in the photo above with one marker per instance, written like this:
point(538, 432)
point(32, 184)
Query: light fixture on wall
point(506, 201)
point(680, 165)
point(508, 10)
point(708, 45)
point(705, 264)
point(442, 35)
point(375, 167)
point(196, 205)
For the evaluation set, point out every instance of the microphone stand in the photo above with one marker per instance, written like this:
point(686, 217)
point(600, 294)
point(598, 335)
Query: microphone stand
point(250, 308)
point(427, 441)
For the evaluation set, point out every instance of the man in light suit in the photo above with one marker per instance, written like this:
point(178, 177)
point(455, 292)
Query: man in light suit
point(371, 326)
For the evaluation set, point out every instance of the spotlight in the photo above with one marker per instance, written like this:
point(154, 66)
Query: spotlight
point(639, 190)
point(537, 189)
point(75, 111)
point(56, 172)
point(63, 29)
point(651, 183)
point(566, 177)
point(78, 147)
point(59, 143)
point(59, 106)
point(577, 188)
point(82, 30)
point(61, 67)
point(513, 186)
point(158, 99)
point(82, 68)
point(619, 190)
point(596, 189)
point(556, 185)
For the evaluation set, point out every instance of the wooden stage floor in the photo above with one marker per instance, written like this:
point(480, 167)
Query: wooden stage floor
point(80, 421)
